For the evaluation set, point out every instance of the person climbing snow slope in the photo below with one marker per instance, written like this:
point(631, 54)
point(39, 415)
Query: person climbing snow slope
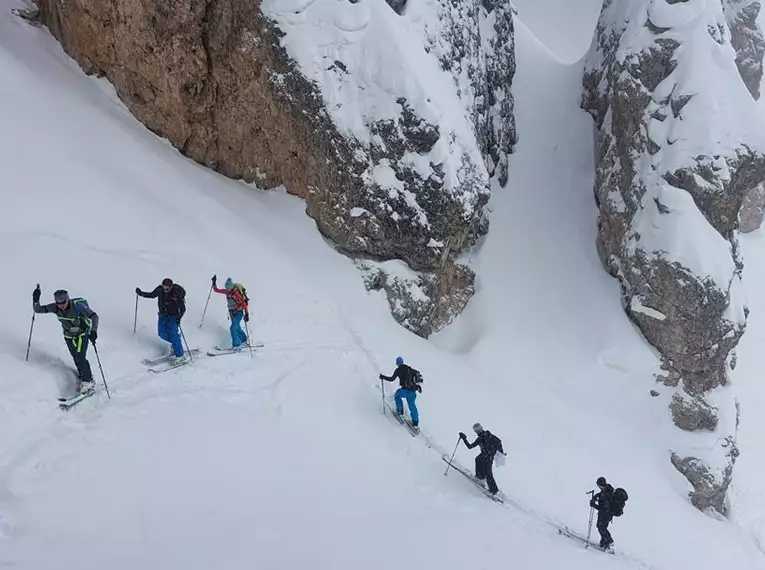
point(171, 300)
point(80, 325)
point(490, 444)
point(409, 386)
point(238, 309)
point(601, 502)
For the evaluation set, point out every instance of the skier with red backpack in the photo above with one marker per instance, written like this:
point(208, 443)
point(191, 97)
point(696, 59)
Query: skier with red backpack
point(238, 309)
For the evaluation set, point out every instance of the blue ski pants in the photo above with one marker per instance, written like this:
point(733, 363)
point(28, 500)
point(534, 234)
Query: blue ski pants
point(237, 334)
point(167, 329)
point(410, 396)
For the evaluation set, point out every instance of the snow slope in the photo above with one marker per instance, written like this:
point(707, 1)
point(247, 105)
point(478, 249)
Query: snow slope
point(286, 460)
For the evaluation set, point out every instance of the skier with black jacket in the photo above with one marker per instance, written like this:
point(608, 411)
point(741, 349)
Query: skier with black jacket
point(601, 502)
point(490, 444)
point(409, 387)
point(80, 325)
point(171, 299)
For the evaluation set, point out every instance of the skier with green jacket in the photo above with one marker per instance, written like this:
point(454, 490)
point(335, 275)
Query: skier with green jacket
point(80, 325)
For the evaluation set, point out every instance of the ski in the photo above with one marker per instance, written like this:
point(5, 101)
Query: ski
point(69, 403)
point(496, 498)
point(161, 359)
point(567, 532)
point(169, 367)
point(415, 431)
point(219, 351)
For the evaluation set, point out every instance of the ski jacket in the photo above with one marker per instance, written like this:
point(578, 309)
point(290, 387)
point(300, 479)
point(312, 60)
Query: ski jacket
point(77, 319)
point(172, 303)
point(404, 374)
point(488, 442)
point(601, 502)
point(235, 298)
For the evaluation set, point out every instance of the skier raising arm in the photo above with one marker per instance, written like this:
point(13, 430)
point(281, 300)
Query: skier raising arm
point(171, 301)
point(238, 308)
point(490, 444)
point(408, 389)
point(80, 325)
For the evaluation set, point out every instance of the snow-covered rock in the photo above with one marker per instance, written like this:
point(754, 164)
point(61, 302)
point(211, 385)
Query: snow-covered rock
point(680, 144)
point(378, 113)
point(747, 39)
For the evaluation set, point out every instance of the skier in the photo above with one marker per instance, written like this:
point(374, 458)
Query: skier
point(80, 325)
point(601, 502)
point(407, 378)
point(236, 298)
point(490, 444)
point(171, 299)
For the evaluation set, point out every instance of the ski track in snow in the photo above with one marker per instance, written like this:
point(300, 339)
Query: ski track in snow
point(233, 462)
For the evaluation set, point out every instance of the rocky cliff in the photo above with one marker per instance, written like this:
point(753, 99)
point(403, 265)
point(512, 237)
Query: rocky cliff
point(679, 147)
point(343, 103)
point(748, 41)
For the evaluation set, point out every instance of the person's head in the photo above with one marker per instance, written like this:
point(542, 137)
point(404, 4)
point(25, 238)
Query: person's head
point(61, 298)
point(399, 360)
point(477, 428)
point(601, 482)
point(229, 283)
point(167, 284)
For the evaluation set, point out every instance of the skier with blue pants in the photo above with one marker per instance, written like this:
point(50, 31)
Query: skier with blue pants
point(408, 389)
point(238, 309)
point(171, 299)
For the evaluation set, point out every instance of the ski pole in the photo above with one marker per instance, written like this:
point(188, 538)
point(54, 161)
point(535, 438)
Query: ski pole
point(382, 391)
point(206, 303)
point(589, 524)
point(249, 338)
point(135, 315)
point(183, 336)
point(101, 368)
point(452, 457)
point(31, 327)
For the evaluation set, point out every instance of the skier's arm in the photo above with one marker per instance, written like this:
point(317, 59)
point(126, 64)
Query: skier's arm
point(217, 290)
point(181, 302)
point(91, 314)
point(151, 295)
point(471, 445)
point(38, 308)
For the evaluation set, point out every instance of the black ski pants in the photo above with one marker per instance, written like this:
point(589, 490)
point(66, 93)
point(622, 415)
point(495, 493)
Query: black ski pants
point(78, 348)
point(483, 465)
point(604, 519)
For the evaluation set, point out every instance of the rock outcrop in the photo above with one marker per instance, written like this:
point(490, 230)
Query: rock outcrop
point(748, 41)
point(279, 95)
point(679, 146)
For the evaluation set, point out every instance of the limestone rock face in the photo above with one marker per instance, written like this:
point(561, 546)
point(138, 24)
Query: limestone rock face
point(748, 41)
point(679, 148)
point(260, 92)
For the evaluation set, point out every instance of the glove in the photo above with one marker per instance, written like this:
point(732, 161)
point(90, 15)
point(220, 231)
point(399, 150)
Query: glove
point(463, 437)
point(382, 377)
point(36, 295)
point(418, 388)
point(247, 317)
point(214, 279)
point(137, 290)
point(592, 504)
point(93, 336)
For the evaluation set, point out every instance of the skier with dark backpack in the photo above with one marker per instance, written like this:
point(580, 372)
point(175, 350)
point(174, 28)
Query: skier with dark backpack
point(609, 503)
point(490, 444)
point(80, 325)
point(409, 380)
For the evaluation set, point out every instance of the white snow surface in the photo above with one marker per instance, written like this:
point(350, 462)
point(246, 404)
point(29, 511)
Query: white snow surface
point(286, 460)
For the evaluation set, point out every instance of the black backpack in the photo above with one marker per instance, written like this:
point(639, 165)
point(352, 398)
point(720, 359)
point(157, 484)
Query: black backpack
point(618, 500)
point(417, 376)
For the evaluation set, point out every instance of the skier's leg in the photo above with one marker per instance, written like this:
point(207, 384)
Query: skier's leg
point(602, 526)
point(162, 328)
point(236, 328)
point(175, 337)
point(78, 347)
point(490, 476)
point(480, 471)
point(399, 403)
point(411, 396)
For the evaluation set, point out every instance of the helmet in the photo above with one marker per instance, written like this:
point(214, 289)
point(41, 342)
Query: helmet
point(601, 482)
point(61, 296)
point(478, 428)
point(229, 283)
point(399, 360)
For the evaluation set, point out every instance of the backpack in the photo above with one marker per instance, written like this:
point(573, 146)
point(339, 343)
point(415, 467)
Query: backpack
point(618, 500)
point(417, 376)
point(243, 292)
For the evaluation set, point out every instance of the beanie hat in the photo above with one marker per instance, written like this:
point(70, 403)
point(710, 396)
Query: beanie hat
point(399, 360)
point(478, 428)
point(229, 283)
point(601, 481)
point(61, 296)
